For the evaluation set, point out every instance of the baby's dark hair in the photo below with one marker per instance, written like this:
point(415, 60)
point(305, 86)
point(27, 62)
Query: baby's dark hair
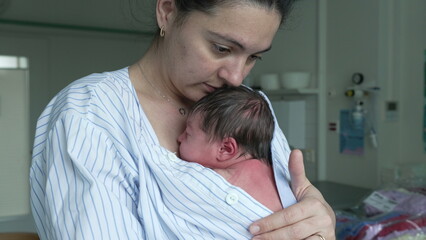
point(240, 113)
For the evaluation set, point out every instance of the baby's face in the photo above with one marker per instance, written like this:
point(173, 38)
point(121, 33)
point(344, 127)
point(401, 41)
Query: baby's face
point(195, 145)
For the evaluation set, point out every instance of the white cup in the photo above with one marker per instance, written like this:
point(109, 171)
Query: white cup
point(269, 81)
point(248, 81)
point(293, 80)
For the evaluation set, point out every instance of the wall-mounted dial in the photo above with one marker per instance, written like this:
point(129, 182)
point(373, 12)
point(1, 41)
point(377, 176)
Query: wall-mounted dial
point(357, 78)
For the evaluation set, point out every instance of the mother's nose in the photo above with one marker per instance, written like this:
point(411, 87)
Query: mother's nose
point(234, 72)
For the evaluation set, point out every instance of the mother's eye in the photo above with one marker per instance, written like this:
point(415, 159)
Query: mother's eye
point(221, 49)
point(255, 57)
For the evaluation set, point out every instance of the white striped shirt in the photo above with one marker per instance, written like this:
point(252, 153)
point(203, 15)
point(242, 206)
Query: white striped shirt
point(99, 172)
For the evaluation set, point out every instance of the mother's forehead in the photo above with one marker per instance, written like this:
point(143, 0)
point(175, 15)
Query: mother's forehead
point(248, 26)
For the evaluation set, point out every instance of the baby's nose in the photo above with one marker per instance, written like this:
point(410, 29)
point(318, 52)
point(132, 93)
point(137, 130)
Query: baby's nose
point(179, 139)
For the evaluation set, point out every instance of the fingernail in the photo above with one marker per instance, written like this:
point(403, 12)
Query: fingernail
point(254, 229)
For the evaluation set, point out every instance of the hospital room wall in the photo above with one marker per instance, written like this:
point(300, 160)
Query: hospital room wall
point(382, 39)
point(412, 79)
point(352, 39)
point(385, 40)
point(402, 139)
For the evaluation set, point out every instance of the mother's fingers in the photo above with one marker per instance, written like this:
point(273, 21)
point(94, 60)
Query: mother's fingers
point(286, 217)
point(291, 232)
point(299, 182)
point(317, 236)
point(298, 221)
point(305, 229)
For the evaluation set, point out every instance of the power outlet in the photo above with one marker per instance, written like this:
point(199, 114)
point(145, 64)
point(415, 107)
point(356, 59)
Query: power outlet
point(309, 155)
point(310, 164)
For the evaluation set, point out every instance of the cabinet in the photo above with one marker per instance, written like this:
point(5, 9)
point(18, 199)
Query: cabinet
point(282, 93)
point(310, 118)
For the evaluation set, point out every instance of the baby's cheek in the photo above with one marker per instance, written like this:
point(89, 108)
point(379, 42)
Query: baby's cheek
point(181, 153)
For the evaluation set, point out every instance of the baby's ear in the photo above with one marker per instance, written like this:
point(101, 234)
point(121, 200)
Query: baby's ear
point(228, 149)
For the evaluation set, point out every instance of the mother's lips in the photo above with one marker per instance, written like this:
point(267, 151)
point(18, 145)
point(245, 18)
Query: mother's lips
point(210, 88)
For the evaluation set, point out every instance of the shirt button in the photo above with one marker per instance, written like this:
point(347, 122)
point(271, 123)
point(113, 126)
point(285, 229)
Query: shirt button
point(231, 198)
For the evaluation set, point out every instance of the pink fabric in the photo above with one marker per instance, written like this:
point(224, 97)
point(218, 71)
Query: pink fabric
point(407, 202)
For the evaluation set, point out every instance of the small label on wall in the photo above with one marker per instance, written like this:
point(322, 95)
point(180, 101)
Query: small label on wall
point(391, 111)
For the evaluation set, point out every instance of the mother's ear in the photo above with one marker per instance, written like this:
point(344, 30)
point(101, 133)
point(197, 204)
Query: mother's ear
point(166, 12)
point(228, 149)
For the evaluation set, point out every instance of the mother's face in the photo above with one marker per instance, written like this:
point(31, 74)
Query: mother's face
point(209, 51)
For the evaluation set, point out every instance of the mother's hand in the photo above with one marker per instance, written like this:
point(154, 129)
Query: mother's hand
point(310, 218)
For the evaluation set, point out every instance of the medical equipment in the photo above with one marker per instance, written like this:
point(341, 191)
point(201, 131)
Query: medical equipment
point(360, 95)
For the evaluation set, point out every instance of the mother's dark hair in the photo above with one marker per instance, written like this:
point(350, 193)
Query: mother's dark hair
point(185, 7)
point(208, 6)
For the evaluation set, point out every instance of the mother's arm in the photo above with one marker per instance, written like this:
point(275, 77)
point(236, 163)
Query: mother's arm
point(309, 217)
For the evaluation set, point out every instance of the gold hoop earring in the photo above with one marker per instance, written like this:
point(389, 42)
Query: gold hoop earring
point(162, 32)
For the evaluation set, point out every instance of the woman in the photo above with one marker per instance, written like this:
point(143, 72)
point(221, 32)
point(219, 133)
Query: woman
point(103, 163)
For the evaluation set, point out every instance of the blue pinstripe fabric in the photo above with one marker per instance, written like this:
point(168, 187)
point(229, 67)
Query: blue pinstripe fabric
point(98, 172)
